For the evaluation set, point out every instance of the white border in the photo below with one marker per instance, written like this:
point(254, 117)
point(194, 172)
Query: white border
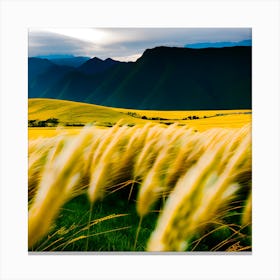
point(18, 16)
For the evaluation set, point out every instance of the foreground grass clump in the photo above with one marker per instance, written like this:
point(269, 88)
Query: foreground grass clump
point(111, 228)
point(151, 187)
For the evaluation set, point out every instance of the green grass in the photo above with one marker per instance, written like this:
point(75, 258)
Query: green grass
point(225, 235)
point(113, 226)
point(114, 223)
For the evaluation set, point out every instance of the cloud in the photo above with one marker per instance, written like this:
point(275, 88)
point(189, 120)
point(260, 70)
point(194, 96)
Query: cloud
point(123, 43)
point(47, 43)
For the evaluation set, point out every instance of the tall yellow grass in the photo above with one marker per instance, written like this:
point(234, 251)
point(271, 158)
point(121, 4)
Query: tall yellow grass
point(198, 174)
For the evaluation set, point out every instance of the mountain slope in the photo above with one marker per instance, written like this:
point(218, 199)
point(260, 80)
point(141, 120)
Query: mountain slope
point(175, 78)
point(42, 73)
point(165, 78)
point(38, 66)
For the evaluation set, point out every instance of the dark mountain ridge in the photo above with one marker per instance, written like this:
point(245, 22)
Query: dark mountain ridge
point(75, 61)
point(97, 65)
point(163, 78)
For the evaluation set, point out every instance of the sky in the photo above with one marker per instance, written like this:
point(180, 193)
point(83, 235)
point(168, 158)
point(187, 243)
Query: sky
point(124, 44)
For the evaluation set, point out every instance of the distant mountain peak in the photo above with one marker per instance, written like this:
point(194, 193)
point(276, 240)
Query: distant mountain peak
point(97, 65)
point(56, 56)
point(109, 59)
point(203, 45)
point(64, 60)
point(95, 59)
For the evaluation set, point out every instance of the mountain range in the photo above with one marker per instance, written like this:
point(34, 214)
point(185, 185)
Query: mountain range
point(67, 60)
point(163, 78)
point(218, 44)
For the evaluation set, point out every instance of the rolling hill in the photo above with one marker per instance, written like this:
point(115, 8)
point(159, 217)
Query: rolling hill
point(72, 113)
point(75, 112)
point(163, 78)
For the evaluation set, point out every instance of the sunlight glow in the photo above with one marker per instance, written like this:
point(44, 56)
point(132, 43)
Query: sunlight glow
point(85, 34)
point(126, 58)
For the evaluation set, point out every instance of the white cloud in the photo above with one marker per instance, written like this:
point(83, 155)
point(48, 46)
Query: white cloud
point(132, 57)
point(85, 34)
point(123, 43)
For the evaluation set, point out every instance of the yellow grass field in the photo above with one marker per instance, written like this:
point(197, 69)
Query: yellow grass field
point(170, 183)
point(204, 177)
point(180, 114)
point(75, 112)
point(37, 132)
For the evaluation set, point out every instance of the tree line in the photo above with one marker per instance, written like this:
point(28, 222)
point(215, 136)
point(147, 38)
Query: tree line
point(52, 122)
